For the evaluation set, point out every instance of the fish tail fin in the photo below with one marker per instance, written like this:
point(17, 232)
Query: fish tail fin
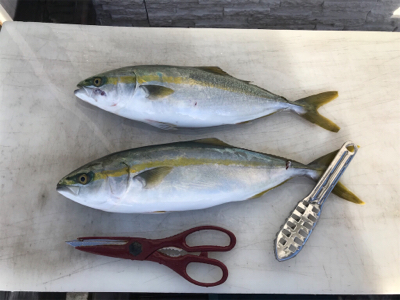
point(320, 165)
point(307, 108)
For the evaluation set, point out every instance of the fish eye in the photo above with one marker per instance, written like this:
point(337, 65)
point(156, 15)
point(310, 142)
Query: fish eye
point(97, 81)
point(83, 178)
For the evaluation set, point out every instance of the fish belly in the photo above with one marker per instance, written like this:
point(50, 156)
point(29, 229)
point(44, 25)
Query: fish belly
point(199, 187)
point(198, 106)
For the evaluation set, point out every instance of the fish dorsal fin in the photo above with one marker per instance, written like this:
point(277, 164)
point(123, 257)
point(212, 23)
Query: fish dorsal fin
point(213, 141)
point(214, 70)
point(153, 177)
point(219, 71)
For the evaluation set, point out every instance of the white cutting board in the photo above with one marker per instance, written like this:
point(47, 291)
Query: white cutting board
point(46, 132)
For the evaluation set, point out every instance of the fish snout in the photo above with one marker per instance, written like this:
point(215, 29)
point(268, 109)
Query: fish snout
point(67, 191)
point(84, 94)
point(82, 91)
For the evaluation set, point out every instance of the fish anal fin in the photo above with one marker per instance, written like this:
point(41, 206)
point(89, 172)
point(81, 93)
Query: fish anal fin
point(161, 125)
point(219, 71)
point(249, 121)
point(263, 192)
point(155, 92)
point(259, 194)
point(213, 141)
point(154, 177)
point(244, 122)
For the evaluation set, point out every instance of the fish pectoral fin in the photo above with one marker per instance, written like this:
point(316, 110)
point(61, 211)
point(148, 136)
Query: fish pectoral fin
point(153, 177)
point(155, 92)
point(219, 71)
point(161, 125)
point(213, 141)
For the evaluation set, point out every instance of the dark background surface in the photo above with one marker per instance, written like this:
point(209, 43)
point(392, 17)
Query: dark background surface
point(365, 15)
point(60, 11)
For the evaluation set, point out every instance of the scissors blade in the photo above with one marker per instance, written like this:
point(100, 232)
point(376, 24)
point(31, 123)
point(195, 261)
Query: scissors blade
point(173, 251)
point(95, 242)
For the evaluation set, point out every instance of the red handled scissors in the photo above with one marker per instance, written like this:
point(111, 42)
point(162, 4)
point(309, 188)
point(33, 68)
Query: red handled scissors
point(157, 250)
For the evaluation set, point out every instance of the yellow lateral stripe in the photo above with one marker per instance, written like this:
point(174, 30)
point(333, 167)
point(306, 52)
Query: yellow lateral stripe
point(112, 173)
point(181, 162)
point(182, 80)
point(112, 80)
point(168, 79)
point(160, 78)
point(127, 79)
point(121, 79)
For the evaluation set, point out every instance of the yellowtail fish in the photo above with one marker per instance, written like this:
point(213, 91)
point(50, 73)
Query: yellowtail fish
point(184, 176)
point(169, 97)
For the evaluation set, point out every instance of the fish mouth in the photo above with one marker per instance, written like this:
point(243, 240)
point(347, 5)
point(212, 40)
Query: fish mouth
point(84, 94)
point(68, 191)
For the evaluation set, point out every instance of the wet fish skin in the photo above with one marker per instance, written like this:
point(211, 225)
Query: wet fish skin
point(170, 97)
point(183, 176)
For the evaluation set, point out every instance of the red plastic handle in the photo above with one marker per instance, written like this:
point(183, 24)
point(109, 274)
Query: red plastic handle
point(179, 265)
point(179, 240)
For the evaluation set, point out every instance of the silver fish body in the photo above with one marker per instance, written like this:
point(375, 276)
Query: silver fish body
point(178, 177)
point(169, 97)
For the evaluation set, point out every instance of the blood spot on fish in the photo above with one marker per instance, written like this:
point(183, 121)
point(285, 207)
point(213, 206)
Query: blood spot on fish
point(288, 164)
point(195, 103)
point(99, 91)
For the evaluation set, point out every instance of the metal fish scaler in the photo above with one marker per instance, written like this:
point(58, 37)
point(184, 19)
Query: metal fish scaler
point(184, 176)
point(169, 97)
